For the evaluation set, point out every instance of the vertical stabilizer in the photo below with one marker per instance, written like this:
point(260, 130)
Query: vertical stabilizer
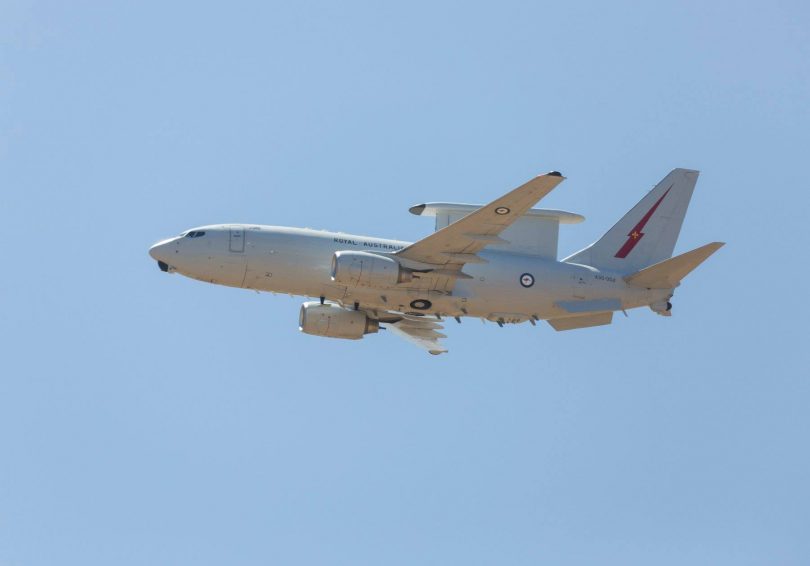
point(647, 234)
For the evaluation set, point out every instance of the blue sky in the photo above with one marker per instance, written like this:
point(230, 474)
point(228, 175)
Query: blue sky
point(149, 419)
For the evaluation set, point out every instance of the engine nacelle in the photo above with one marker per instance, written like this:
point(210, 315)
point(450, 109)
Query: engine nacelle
point(333, 321)
point(366, 269)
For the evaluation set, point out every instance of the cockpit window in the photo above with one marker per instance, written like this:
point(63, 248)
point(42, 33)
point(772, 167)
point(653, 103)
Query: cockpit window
point(195, 234)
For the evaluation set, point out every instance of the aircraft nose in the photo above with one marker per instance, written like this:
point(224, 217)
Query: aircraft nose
point(160, 253)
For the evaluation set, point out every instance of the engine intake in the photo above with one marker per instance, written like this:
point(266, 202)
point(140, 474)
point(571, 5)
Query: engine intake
point(366, 269)
point(333, 321)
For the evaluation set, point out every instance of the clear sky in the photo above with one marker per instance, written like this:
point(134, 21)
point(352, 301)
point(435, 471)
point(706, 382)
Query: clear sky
point(152, 419)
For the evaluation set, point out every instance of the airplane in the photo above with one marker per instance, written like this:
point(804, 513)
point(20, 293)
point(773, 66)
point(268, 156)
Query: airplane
point(497, 262)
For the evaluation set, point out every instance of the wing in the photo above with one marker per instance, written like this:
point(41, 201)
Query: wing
point(451, 247)
point(420, 331)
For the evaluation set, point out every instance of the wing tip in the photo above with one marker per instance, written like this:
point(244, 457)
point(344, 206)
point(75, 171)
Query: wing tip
point(560, 177)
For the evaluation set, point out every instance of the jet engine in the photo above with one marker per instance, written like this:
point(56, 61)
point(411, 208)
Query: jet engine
point(333, 321)
point(365, 269)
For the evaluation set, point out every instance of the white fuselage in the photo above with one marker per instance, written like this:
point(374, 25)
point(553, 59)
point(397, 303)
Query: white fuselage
point(298, 262)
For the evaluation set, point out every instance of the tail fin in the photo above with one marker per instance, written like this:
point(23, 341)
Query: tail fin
point(647, 234)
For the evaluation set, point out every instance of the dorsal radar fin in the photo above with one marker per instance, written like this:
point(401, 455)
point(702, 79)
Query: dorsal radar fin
point(535, 233)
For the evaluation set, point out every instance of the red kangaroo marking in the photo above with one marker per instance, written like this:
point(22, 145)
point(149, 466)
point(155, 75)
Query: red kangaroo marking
point(636, 233)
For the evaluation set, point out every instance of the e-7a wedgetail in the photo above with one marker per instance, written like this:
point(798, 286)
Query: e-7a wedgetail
point(497, 262)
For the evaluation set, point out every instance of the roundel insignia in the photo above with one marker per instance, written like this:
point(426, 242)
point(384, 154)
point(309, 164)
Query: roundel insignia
point(421, 304)
point(502, 210)
point(527, 280)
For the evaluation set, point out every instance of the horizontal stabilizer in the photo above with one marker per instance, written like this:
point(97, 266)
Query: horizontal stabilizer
point(668, 273)
point(584, 321)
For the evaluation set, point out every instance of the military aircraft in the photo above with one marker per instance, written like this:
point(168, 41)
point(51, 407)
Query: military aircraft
point(496, 262)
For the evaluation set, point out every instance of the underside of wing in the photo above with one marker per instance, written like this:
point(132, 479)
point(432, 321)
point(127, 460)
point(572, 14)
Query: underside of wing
point(419, 331)
point(448, 249)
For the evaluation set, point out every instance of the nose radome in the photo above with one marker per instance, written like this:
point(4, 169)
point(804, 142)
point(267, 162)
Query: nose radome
point(155, 251)
point(160, 251)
